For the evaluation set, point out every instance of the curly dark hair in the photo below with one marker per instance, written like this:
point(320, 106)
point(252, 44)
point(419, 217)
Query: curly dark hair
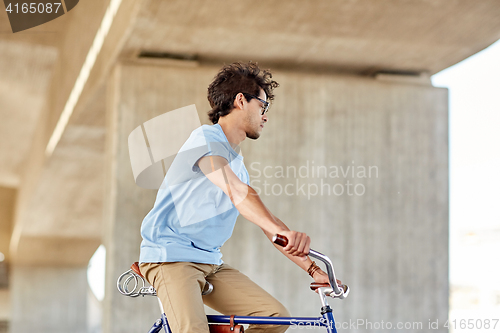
point(233, 79)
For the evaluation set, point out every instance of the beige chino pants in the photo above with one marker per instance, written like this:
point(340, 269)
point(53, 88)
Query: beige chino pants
point(179, 286)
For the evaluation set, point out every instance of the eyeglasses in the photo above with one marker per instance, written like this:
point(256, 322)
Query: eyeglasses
point(265, 106)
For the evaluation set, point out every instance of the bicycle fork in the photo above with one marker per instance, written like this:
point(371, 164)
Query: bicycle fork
point(327, 312)
point(160, 323)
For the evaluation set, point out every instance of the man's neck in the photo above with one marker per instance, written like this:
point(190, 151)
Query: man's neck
point(234, 133)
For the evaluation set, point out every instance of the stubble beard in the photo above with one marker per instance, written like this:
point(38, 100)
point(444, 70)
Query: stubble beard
point(253, 134)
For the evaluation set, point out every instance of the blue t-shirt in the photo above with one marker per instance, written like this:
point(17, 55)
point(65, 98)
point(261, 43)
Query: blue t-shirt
point(192, 218)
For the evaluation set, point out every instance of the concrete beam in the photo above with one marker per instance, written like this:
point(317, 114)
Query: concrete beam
point(361, 37)
point(88, 60)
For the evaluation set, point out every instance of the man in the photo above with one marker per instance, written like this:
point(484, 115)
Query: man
point(205, 189)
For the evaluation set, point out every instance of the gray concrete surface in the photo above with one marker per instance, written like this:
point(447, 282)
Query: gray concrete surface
point(48, 299)
point(389, 244)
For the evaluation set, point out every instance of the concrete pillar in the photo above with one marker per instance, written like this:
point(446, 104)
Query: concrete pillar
point(389, 241)
point(388, 237)
point(48, 299)
point(135, 94)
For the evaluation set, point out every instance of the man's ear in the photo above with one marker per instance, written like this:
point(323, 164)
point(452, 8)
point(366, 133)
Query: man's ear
point(239, 101)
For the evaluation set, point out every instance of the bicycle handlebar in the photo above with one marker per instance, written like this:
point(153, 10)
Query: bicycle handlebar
point(339, 291)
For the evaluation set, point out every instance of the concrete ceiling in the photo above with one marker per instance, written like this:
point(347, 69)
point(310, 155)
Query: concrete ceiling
point(361, 36)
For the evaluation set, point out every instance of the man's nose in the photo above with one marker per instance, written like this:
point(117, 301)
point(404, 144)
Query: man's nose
point(264, 117)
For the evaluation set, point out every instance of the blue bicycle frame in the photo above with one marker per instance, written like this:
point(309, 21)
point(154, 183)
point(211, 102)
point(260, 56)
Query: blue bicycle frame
point(326, 321)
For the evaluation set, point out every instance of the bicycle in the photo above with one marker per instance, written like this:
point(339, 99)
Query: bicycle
point(324, 290)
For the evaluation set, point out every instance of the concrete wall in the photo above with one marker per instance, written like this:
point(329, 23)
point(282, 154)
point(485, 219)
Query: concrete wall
point(389, 241)
point(389, 238)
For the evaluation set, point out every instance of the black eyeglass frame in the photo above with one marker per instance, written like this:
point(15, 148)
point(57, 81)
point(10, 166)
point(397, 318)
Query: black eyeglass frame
point(265, 108)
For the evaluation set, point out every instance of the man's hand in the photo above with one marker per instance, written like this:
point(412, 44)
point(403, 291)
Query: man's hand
point(298, 243)
point(321, 277)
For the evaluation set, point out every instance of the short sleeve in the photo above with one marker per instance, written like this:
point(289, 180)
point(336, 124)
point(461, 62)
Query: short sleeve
point(204, 141)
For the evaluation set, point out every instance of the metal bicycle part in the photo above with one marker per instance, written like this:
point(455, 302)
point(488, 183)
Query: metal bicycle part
point(336, 292)
point(123, 285)
point(207, 289)
point(323, 292)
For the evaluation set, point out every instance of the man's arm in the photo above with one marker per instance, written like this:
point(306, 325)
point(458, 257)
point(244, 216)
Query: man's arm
point(248, 203)
point(319, 276)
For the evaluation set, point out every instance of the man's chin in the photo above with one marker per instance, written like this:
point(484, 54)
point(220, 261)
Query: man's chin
point(253, 136)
